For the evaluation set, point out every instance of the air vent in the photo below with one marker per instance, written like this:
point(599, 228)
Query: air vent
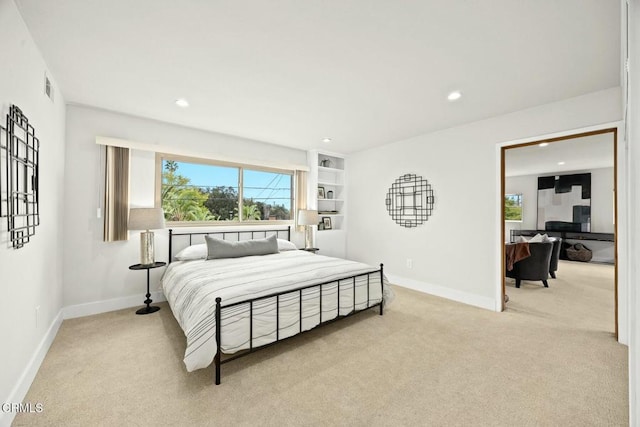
point(48, 87)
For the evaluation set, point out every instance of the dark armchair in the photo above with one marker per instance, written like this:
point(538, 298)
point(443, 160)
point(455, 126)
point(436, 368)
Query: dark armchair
point(555, 255)
point(534, 267)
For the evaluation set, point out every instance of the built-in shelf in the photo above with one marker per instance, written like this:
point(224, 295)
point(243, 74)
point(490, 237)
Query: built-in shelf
point(331, 184)
point(328, 173)
point(326, 169)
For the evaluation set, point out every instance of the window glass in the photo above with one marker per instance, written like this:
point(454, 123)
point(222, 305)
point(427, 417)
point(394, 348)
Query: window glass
point(266, 195)
point(193, 191)
point(513, 207)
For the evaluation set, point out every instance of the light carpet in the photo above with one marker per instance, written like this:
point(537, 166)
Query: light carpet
point(550, 359)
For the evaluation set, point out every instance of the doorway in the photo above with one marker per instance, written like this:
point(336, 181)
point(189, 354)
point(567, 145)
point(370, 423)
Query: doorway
point(540, 225)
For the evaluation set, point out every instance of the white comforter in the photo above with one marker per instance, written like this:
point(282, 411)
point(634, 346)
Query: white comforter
point(191, 288)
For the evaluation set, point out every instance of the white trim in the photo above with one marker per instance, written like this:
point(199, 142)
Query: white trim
point(165, 149)
point(21, 388)
point(443, 291)
point(104, 306)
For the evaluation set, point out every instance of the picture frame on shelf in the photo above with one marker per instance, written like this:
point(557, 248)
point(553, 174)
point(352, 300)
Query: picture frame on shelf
point(326, 221)
point(320, 192)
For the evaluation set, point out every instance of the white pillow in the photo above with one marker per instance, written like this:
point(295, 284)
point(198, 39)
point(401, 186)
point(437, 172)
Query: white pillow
point(285, 245)
point(538, 238)
point(521, 239)
point(192, 252)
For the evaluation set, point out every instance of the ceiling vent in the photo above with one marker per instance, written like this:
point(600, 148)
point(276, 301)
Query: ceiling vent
point(48, 87)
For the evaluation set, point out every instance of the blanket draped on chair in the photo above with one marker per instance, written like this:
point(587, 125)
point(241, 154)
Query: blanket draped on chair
point(514, 252)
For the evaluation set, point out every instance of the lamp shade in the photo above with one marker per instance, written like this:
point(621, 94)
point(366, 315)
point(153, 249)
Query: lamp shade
point(307, 217)
point(146, 219)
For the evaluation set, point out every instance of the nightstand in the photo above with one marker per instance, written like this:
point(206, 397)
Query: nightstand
point(148, 309)
point(314, 250)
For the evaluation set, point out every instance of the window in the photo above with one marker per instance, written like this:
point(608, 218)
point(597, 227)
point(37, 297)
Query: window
point(200, 190)
point(513, 207)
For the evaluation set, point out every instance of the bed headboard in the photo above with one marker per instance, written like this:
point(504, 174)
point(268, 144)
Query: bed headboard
point(179, 240)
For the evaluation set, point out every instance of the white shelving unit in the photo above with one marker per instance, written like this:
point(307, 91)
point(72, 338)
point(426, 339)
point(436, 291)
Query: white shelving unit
point(327, 181)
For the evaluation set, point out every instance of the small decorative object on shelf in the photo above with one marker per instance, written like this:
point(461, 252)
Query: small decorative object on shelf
point(320, 192)
point(326, 222)
point(325, 163)
point(410, 200)
point(329, 194)
point(149, 308)
point(21, 190)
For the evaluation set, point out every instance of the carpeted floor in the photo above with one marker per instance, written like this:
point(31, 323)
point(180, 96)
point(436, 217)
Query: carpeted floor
point(550, 359)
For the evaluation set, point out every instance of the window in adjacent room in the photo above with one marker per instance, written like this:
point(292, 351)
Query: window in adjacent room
point(200, 190)
point(513, 207)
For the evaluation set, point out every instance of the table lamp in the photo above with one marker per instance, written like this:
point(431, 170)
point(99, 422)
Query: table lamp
point(308, 218)
point(146, 219)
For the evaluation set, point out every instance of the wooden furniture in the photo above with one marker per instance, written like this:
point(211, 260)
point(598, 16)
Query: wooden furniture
point(149, 308)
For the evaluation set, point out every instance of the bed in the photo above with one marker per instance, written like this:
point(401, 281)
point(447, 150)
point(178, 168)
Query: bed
point(231, 307)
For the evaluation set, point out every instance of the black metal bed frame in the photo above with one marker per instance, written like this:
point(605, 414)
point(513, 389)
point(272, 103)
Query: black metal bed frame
point(218, 361)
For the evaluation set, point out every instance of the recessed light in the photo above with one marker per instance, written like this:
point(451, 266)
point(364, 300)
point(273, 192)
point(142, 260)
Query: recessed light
point(454, 95)
point(543, 144)
point(326, 140)
point(182, 103)
point(561, 163)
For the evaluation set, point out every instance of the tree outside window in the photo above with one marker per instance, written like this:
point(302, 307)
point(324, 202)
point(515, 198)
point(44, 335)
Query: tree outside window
point(194, 191)
point(513, 207)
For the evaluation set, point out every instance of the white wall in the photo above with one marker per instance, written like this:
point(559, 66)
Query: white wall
point(633, 138)
point(98, 271)
point(601, 198)
point(30, 276)
point(455, 253)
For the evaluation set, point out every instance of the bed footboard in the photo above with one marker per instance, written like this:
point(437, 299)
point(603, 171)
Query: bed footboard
point(354, 308)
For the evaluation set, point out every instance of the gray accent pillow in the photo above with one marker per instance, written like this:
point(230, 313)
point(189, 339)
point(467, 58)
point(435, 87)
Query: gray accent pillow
point(218, 248)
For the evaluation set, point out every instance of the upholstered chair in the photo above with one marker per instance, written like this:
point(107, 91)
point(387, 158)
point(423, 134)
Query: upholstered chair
point(555, 255)
point(534, 267)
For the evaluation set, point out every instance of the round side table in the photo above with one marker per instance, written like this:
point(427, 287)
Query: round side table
point(149, 308)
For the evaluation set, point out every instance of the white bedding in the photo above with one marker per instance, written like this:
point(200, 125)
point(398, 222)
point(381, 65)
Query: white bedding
point(191, 288)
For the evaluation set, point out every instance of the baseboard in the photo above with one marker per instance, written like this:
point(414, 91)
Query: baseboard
point(20, 390)
point(97, 307)
point(444, 292)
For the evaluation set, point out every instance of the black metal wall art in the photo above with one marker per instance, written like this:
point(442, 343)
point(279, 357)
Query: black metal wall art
point(410, 200)
point(19, 190)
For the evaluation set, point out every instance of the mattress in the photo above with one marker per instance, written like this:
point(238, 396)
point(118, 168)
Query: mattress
point(191, 288)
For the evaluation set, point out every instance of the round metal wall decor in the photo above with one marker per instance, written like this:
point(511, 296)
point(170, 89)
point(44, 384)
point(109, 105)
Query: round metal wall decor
point(410, 200)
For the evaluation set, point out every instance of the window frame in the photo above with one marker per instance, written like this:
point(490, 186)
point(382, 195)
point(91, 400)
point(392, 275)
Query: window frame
point(241, 167)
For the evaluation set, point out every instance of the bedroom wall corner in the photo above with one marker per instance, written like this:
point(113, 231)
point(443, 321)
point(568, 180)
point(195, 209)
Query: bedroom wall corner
point(31, 284)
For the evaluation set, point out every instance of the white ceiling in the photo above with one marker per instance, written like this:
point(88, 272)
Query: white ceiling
point(291, 72)
point(590, 152)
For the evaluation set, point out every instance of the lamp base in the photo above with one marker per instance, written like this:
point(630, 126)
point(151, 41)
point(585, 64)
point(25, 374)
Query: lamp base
point(308, 237)
point(146, 248)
